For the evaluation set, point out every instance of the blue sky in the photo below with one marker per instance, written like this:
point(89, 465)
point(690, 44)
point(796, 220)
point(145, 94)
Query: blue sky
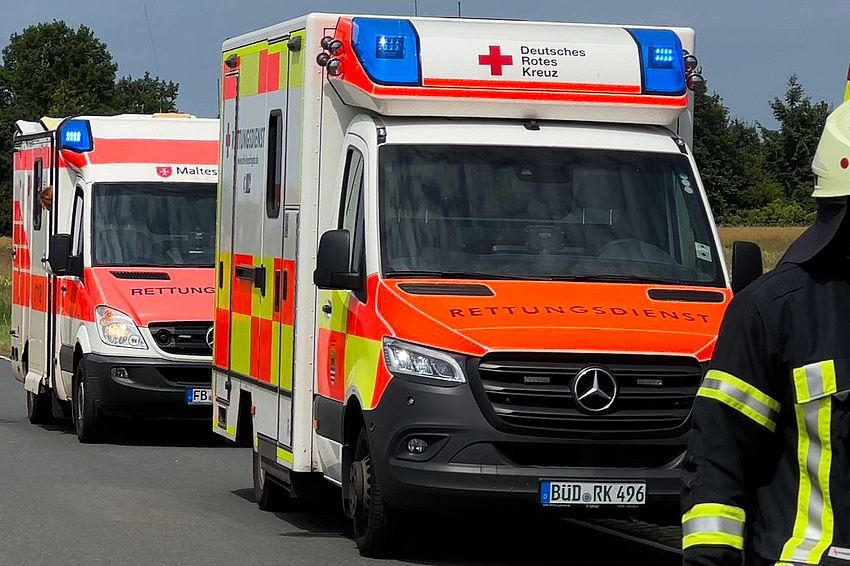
point(748, 48)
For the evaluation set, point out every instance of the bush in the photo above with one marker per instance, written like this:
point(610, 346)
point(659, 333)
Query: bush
point(777, 213)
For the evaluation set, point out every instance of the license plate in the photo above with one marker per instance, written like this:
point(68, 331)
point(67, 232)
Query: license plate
point(199, 396)
point(592, 493)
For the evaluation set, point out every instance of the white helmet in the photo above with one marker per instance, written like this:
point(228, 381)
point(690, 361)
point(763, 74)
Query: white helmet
point(832, 159)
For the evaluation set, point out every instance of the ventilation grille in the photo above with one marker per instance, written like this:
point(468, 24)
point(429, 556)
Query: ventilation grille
point(475, 290)
point(161, 275)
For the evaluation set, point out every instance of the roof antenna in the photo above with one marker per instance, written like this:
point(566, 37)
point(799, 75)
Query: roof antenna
point(153, 48)
point(415, 8)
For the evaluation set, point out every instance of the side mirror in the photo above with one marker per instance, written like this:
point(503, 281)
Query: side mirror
point(332, 261)
point(746, 265)
point(60, 254)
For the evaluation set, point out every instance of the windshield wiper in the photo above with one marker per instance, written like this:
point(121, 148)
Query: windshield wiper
point(462, 275)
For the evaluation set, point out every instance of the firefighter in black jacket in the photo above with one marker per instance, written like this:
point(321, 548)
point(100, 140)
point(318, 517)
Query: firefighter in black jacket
point(767, 474)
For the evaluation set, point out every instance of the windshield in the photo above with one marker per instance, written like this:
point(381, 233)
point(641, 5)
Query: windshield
point(550, 213)
point(154, 224)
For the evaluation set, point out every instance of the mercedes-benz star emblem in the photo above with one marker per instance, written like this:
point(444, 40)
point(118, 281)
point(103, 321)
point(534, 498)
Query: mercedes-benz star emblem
point(595, 390)
point(210, 337)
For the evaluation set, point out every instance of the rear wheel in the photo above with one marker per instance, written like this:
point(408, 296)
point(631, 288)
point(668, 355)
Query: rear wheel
point(377, 526)
point(39, 408)
point(88, 419)
point(269, 495)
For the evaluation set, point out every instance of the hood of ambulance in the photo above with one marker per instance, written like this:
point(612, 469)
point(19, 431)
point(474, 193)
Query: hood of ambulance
point(527, 316)
point(187, 295)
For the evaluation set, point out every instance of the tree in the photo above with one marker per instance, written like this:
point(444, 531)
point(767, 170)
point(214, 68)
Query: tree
point(51, 69)
point(791, 148)
point(145, 95)
point(730, 157)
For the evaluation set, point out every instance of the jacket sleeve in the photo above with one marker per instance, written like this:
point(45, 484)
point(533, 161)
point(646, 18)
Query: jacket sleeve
point(735, 417)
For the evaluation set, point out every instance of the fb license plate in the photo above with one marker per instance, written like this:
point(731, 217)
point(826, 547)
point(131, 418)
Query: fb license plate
point(199, 396)
point(592, 493)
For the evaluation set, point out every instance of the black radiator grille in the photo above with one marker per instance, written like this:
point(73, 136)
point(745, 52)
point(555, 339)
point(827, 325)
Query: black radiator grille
point(187, 338)
point(534, 392)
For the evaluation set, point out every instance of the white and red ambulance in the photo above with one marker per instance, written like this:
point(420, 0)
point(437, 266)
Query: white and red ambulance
point(113, 244)
point(463, 264)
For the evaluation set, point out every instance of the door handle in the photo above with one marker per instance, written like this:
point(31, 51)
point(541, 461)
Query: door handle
point(327, 309)
point(256, 275)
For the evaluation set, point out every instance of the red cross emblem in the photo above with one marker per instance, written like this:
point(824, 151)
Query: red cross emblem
point(164, 172)
point(496, 60)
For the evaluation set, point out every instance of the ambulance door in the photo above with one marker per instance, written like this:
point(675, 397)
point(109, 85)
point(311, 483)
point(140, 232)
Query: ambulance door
point(336, 306)
point(38, 221)
point(20, 257)
point(290, 163)
point(251, 301)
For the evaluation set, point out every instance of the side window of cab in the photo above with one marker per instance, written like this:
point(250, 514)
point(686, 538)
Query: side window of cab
point(351, 212)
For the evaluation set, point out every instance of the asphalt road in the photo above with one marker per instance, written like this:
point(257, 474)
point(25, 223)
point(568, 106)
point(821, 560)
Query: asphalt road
point(168, 493)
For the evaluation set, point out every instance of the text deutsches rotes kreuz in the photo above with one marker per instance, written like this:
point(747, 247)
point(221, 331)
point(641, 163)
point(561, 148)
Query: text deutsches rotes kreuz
point(543, 62)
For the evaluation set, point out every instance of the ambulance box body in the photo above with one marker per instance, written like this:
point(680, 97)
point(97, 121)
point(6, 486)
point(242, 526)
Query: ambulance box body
point(461, 263)
point(113, 283)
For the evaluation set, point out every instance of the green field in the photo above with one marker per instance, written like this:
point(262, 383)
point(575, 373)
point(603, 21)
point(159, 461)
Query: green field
point(773, 242)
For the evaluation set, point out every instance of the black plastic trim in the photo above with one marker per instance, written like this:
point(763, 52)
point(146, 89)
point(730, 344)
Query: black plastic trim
point(328, 414)
point(686, 296)
point(459, 290)
point(66, 358)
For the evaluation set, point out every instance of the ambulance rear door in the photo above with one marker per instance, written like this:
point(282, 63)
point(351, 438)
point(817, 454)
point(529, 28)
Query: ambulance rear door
point(286, 177)
point(37, 223)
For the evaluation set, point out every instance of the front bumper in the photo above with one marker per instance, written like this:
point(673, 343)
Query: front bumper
point(153, 387)
point(470, 465)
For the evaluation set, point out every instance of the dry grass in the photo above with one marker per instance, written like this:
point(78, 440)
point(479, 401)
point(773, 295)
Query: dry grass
point(773, 241)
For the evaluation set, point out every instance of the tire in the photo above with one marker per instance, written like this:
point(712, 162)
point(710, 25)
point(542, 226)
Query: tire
point(88, 419)
point(377, 526)
point(39, 408)
point(269, 495)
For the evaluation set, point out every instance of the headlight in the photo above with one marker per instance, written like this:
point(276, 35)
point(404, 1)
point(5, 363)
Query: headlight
point(420, 361)
point(117, 329)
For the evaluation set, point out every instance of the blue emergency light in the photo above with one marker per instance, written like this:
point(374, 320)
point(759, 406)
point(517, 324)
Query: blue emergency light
point(388, 50)
point(662, 61)
point(76, 136)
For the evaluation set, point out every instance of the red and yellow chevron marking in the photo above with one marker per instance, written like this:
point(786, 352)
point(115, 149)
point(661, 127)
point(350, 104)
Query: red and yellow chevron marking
point(349, 360)
point(254, 332)
point(263, 68)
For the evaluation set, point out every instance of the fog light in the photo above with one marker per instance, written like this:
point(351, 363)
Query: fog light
point(119, 373)
point(417, 446)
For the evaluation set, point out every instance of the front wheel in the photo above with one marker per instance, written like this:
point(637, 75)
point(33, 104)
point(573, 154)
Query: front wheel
point(88, 419)
point(377, 526)
point(39, 408)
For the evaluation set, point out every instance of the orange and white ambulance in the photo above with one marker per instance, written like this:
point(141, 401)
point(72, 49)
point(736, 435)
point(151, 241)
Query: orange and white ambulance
point(114, 231)
point(462, 264)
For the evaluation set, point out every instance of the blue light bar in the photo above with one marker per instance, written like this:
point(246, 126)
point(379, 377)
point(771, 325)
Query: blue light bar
point(76, 136)
point(662, 61)
point(388, 50)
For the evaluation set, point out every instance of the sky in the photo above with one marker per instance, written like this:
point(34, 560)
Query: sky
point(748, 48)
